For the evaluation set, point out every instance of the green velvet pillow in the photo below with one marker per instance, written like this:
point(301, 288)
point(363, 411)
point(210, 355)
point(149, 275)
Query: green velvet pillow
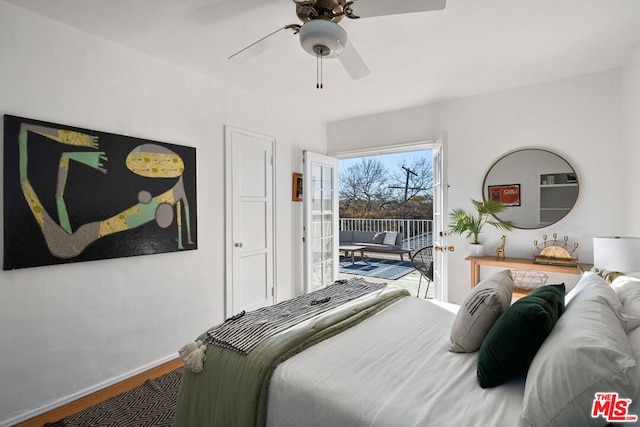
point(514, 339)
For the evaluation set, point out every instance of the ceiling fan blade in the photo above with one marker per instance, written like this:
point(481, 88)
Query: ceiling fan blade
point(264, 44)
point(353, 63)
point(370, 8)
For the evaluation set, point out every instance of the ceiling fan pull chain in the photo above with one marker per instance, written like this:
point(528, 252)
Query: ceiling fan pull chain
point(321, 76)
point(319, 84)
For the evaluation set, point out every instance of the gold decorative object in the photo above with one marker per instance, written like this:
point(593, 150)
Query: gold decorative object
point(556, 252)
point(500, 249)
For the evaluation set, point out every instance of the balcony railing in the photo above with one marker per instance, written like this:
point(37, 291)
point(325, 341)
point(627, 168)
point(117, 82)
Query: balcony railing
point(417, 232)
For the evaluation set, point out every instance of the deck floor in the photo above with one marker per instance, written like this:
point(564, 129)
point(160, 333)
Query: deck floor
point(409, 281)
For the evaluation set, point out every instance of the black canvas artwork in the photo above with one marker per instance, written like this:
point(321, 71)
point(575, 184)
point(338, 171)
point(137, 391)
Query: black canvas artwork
point(73, 194)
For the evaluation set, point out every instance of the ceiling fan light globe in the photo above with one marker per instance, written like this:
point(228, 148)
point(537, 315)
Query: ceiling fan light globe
point(321, 32)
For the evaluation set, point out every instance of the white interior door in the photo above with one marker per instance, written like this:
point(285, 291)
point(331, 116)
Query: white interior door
point(249, 220)
point(320, 232)
point(439, 219)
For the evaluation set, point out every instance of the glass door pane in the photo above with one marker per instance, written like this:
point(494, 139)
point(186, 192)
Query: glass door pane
point(321, 221)
point(439, 225)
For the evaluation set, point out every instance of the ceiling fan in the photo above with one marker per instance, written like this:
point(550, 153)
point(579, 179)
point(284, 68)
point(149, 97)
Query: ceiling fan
point(321, 36)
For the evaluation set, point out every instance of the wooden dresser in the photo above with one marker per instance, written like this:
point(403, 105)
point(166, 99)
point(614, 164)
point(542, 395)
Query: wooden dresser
point(518, 264)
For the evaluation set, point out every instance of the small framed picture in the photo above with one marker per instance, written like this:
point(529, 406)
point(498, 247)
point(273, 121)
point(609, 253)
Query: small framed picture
point(296, 195)
point(509, 195)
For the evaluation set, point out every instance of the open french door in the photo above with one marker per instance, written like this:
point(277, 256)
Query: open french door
point(439, 219)
point(321, 216)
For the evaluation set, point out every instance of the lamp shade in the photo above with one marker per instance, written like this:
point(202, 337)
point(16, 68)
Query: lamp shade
point(323, 34)
point(617, 253)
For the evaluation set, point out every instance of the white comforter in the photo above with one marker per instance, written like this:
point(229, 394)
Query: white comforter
point(392, 369)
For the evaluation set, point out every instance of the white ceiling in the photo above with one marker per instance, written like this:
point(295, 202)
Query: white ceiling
point(468, 48)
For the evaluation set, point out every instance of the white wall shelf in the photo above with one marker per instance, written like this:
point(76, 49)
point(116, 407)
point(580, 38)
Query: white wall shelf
point(558, 192)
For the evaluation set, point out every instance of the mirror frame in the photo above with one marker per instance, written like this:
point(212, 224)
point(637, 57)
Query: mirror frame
point(485, 194)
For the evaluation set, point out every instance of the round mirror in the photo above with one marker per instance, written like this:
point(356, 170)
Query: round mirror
point(538, 187)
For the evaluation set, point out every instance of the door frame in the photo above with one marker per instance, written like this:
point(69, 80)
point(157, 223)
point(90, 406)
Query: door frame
point(228, 219)
point(441, 142)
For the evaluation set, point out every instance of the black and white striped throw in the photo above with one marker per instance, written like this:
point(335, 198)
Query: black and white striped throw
point(244, 331)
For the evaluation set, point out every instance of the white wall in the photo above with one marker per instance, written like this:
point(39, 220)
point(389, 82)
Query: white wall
point(631, 132)
point(70, 328)
point(579, 118)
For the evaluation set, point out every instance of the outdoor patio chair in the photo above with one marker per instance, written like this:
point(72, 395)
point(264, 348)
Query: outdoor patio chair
point(422, 261)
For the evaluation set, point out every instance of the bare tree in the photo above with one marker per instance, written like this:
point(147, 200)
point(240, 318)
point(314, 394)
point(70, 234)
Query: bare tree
point(369, 190)
point(364, 186)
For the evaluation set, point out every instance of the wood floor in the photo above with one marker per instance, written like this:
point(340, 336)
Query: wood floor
point(102, 395)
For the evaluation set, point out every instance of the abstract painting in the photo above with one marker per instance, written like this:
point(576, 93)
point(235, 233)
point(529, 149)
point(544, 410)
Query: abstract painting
point(73, 194)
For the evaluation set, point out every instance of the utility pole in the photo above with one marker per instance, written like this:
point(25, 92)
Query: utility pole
point(406, 193)
point(407, 188)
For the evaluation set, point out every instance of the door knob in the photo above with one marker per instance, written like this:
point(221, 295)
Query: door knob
point(445, 248)
point(238, 245)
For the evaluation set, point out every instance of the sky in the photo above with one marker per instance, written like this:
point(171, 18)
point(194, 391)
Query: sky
point(391, 161)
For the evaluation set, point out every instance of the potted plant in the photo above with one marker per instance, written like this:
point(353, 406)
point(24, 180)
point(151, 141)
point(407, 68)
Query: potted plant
point(470, 224)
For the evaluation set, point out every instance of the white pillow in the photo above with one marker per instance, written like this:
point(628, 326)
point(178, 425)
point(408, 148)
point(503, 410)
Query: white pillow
point(587, 279)
point(479, 311)
point(628, 290)
point(587, 352)
point(594, 285)
point(634, 340)
point(389, 238)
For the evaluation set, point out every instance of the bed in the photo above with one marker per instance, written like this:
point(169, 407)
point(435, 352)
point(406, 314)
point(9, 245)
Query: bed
point(392, 366)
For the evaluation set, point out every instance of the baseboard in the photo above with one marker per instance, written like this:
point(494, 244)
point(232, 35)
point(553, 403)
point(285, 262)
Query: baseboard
point(68, 405)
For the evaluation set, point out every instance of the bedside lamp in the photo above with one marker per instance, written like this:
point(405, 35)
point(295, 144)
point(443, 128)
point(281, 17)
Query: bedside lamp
point(617, 254)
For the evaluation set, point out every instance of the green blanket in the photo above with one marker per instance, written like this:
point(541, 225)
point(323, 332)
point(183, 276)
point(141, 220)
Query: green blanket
point(232, 389)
